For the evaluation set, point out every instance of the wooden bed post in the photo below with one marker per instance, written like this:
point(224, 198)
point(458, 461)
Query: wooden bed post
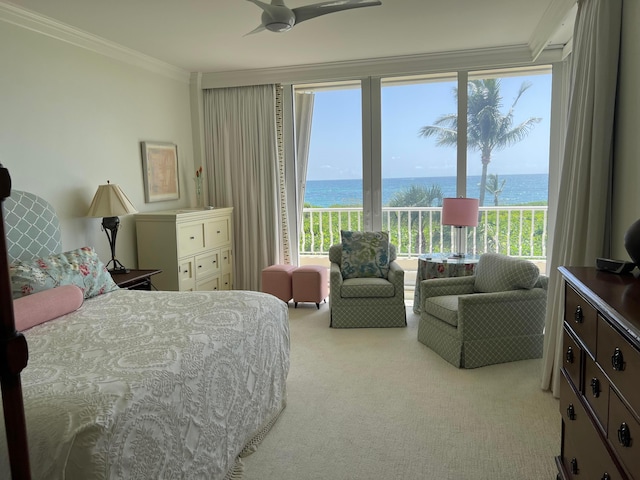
point(13, 358)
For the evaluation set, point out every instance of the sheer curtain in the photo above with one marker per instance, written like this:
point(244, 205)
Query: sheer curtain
point(582, 226)
point(244, 165)
point(303, 103)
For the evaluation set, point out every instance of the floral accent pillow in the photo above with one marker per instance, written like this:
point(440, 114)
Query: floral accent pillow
point(80, 267)
point(365, 254)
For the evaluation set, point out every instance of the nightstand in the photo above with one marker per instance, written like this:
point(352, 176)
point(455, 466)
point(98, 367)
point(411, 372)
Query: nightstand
point(135, 279)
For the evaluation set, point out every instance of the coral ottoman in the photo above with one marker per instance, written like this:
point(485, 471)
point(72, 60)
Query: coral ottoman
point(276, 280)
point(310, 284)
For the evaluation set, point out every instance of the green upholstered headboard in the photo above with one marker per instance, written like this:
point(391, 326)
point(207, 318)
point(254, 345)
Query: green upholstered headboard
point(31, 227)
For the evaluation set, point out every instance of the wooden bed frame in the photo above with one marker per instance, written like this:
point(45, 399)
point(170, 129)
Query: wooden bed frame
point(13, 358)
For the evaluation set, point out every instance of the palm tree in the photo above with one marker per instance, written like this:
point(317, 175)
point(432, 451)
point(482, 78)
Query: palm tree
point(487, 128)
point(417, 196)
point(494, 187)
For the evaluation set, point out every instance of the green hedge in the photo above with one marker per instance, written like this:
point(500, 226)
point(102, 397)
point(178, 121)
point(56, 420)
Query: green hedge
point(326, 229)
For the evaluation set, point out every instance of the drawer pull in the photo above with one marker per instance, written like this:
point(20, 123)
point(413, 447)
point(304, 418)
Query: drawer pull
point(595, 387)
point(569, 355)
point(199, 266)
point(617, 360)
point(192, 238)
point(218, 232)
point(571, 412)
point(578, 316)
point(624, 435)
point(574, 466)
point(605, 477)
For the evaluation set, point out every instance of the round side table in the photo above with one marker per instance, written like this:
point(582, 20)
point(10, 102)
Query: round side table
point(441, 265)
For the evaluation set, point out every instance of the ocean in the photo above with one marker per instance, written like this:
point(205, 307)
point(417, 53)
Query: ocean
point(518, 189)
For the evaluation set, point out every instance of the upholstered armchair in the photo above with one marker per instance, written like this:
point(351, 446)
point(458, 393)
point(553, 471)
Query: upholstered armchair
point(494, 316)
point(366, 302)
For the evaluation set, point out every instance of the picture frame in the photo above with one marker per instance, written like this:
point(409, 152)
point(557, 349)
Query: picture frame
point(160, 171)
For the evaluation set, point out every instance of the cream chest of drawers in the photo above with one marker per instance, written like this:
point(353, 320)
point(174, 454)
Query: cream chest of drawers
point(193, 248)
point(600, 384)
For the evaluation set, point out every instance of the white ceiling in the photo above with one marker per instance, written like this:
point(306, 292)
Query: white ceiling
point(209, 35)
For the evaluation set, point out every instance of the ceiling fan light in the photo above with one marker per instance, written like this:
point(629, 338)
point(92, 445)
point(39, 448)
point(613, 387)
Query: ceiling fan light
point(278, 26)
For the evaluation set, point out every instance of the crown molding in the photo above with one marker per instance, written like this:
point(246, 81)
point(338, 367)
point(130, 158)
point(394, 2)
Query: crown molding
point(552, 19)
point(389, 66)
point(37, 23)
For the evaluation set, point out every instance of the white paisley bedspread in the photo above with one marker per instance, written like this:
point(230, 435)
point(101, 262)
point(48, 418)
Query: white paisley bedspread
point(153, 385)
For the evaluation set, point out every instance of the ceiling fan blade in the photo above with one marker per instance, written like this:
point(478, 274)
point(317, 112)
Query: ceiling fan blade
point(259, 28)
point(317, 9)
point(264, 6)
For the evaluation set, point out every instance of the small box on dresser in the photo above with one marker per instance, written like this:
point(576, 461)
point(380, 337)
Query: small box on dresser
point(600, 388)
point(193, 247)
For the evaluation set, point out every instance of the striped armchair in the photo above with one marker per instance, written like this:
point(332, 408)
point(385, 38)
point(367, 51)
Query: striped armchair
point(366, 302)
point(494, 316)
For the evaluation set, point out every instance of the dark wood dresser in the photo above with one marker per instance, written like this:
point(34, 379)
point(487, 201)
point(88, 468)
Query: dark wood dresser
point(600, 384)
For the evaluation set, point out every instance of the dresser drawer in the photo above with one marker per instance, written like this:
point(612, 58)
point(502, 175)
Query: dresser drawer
point(190, 239)
point(621, 362)
point(624, 434)
point(226, 260)
point(207, 264)
point(572, 359)
point(596, 391)
point(584, 456)
point(209, 284)
point(582, 318)
point(218, 232)
point(186, 274)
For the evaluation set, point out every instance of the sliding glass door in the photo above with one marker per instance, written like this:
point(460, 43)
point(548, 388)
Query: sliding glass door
point(416, 174)
point(332, 189)
point(508, 134)
point(382, 153)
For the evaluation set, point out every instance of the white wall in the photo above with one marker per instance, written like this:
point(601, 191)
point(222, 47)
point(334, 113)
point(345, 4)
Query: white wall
point(71, 119)
point(626, 176)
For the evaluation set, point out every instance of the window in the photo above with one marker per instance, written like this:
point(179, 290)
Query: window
point(410, 125)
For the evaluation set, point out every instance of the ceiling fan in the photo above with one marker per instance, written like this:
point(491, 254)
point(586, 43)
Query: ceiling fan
point(277, 17)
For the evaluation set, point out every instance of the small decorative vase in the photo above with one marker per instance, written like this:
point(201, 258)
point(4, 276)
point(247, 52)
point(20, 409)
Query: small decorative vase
point(632, 242)
point(199, 196)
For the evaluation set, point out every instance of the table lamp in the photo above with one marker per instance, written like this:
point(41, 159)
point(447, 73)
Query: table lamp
point(110, 202)
point(460, 212)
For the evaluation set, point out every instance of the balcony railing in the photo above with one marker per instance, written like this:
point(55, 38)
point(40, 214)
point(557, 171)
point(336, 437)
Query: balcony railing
point(519, 231)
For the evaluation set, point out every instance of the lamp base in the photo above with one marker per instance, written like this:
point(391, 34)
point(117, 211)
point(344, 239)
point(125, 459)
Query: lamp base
point(117, 267)
point(117, 270)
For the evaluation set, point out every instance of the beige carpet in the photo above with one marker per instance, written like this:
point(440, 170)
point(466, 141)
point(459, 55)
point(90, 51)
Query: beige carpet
point(377, 404)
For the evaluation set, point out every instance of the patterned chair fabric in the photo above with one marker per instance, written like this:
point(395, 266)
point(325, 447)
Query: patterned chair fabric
point(366, 302)
point(472, 329)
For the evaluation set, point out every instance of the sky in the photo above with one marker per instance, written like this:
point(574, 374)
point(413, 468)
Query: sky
point(336, 138)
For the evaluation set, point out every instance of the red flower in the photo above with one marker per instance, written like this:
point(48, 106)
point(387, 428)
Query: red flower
point(84, 270)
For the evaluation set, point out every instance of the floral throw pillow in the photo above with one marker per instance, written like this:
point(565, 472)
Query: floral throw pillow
point(365, 254)
point(80, 267)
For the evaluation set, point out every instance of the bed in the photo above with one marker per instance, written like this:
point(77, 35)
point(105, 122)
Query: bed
point(137, 384)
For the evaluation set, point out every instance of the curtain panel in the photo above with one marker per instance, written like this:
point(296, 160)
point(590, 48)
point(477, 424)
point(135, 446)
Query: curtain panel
point(244, 166)
point(582, 226)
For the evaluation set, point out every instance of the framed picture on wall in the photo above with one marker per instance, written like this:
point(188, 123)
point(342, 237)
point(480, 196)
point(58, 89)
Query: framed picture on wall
point(160, 171)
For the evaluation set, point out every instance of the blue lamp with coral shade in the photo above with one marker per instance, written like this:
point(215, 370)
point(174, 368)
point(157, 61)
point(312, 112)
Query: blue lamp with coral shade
point(110, 202)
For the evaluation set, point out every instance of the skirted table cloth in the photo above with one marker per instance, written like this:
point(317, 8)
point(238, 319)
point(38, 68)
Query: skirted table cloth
point(441, 265)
